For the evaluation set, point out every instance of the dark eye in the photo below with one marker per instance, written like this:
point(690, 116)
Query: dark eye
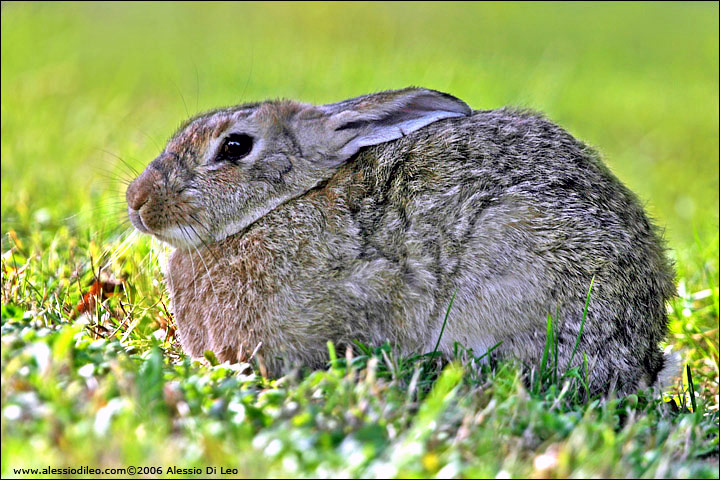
point(235, 147)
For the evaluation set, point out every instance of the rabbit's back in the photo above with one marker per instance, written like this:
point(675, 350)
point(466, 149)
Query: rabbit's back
point(521, 217)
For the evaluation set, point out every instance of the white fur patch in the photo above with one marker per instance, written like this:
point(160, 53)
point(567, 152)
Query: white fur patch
point(670, 372)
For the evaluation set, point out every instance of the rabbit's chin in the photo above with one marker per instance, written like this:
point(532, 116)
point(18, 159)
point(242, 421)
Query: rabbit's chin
point(181, 236)
point(188, 237)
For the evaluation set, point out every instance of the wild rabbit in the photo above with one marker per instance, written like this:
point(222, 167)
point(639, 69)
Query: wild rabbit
point(296, 224)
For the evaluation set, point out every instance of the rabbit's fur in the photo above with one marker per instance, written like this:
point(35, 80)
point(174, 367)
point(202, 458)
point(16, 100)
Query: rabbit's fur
point(359, 220)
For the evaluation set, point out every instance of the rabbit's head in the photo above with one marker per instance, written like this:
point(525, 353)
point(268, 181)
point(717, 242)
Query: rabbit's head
point(225, 169)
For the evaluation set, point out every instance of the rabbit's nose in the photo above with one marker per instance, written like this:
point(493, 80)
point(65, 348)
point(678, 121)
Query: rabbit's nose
point(139, 190)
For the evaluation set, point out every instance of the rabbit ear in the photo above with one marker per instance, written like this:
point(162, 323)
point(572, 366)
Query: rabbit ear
point(385, 116)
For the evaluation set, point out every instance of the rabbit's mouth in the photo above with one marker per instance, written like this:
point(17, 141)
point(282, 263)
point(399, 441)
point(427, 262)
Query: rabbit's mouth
point(177, 235)
point(137, 221)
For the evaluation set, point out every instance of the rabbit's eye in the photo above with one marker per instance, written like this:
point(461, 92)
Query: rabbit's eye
point(235, 147)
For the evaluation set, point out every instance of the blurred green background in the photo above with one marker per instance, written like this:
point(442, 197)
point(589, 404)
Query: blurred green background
point(83, 83)
point(87, 84)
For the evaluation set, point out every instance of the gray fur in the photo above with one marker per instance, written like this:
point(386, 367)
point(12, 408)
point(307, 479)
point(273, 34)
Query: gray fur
point(309, 240)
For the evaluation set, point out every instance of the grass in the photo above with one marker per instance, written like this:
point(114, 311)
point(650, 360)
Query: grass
point(104, 383)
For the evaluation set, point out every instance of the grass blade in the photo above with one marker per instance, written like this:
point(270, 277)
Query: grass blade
point(546, 350)
point(582, 324)
point(691, 388)
point(442, 330)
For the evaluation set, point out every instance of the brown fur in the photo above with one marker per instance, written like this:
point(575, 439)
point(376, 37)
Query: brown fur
point(359, 220)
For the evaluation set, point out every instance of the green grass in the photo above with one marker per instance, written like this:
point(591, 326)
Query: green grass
point(85, 85)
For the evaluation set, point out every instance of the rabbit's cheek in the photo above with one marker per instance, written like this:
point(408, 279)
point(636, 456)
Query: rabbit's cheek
point(273, 169)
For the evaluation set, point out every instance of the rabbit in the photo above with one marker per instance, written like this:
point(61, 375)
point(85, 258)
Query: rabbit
point(295, 224)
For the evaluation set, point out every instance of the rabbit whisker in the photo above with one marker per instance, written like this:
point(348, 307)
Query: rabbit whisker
point(192, 263)
point(132, 169)
point(120, 249)
point(209, 276)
